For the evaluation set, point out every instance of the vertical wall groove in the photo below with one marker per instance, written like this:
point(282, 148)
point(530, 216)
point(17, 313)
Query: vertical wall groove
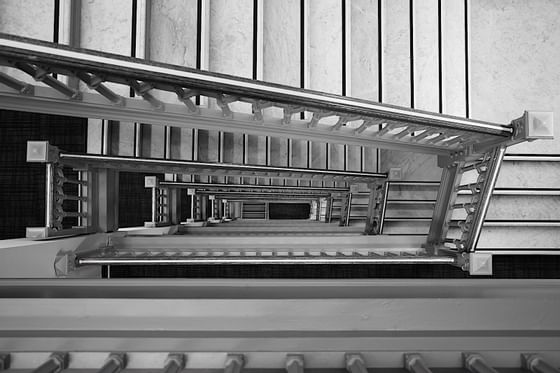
point(56, 25)
point(411, 50)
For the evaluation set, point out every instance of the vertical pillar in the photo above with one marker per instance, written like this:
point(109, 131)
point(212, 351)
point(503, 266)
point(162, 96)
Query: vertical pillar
point(212, 200)
point(372, 219)
point(192, 195)
point(330, 203)
point(107, 200)
point(173, 201)
point(450, 179)
point(486, 193)
point(203, 203)
point(313, 213)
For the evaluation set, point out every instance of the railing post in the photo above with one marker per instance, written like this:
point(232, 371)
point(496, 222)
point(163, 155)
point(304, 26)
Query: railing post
point(345, 208)
point(373, 222)
point(160, 215)
point(49, 195)
point(450, 178)
point(491, 175)
point(43, 152)
point(173, 201)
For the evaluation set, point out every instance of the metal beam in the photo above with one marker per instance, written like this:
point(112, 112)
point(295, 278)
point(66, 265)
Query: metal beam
point(263, 319)
point(133, 164)
point(47, 100)
point(437, 133)
point(244, 187)
point(119, 68)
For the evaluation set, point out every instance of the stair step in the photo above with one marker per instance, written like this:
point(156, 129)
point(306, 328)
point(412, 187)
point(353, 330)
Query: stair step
point(426, 190)
point(520, 236)
point(312, 242)
point(524, 174)
point(518, 207)
point(406, 226)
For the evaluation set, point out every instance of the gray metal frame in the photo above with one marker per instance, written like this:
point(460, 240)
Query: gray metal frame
point(451, 324)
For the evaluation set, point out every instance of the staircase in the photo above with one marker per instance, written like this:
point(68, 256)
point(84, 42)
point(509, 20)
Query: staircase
point(523, 216)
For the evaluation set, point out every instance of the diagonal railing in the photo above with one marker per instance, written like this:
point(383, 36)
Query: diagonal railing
point(330, 118)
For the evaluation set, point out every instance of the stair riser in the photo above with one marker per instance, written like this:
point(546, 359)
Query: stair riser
point(408, 227)
point(513, 207)
point(517, 174)
point(518, 237)
point(413, 192)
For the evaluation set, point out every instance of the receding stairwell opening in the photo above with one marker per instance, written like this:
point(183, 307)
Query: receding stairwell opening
point(289, 210)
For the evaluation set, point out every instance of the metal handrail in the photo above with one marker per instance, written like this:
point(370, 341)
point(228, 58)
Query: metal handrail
point(381, 125)
point(136, 164)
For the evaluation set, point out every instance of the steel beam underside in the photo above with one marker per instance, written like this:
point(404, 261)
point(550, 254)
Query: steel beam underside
point(267, 318)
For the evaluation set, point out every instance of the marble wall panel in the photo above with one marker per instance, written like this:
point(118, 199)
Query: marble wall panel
point(152, 140)
point(181, 143)
point(396, 52)
point(281, 61)
point(397, 84)
point(208, 146)
point(281, 42)
point(107, 26)
point(364, 68)
point(31, 19)
point(173, 32)
point(122, 138)
point(325, 45)
point(454, 80)
point(233, 144)
point(325, 69)
point(515, 49)
point(173, 39)
point(426, 61)
point(364, 71)
point(94, 136)
point(231, 52)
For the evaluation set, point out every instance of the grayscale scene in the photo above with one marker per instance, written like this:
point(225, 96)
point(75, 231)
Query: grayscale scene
point(300, 186)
